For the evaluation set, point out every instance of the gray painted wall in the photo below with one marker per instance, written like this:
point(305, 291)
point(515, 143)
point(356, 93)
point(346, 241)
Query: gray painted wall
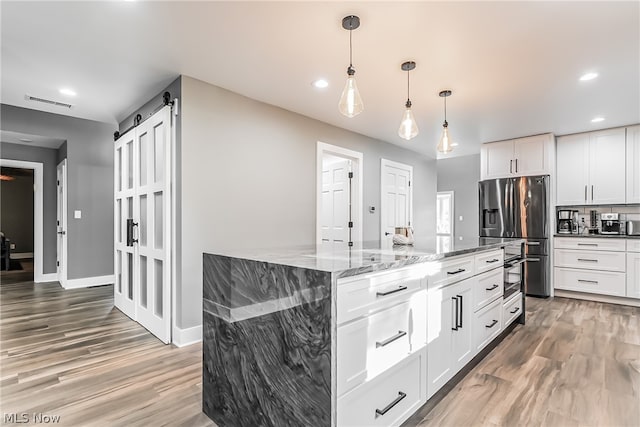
point(16, 216)
point(461, 175)
point(248, 180)
point(46, 156)
point(90, 184)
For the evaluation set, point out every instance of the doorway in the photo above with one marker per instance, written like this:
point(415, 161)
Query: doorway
point(339, 196)
point(61, 221)
point(396, 199)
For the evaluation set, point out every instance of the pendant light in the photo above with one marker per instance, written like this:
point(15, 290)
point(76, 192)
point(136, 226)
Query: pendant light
point(445, 145)
point(350, 102)
point(408, 128)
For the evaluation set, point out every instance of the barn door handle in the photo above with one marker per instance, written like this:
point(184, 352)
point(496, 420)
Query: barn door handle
point(130, 238)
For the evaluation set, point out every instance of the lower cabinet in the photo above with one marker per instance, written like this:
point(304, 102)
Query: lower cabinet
point(388, 399)
point(449, 332)
point(633, 274)
point(487, 324)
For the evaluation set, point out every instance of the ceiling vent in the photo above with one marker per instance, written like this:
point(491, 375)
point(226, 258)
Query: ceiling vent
point(47, 101)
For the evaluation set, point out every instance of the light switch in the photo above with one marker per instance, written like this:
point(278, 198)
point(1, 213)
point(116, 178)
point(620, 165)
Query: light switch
point(77, 214)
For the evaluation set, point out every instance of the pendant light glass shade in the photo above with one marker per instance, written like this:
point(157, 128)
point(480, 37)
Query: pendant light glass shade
point(445, 145)
point(350, 103)
point(408, 127)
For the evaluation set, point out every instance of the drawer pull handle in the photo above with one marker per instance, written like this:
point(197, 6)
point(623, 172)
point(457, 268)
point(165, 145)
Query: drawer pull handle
point(532, 243)
point(587, 244)
point(393, 291)
point(397, 336)
point(515, 310)
point(494, 323)
point(492, 288)
point(587, 259)
point(460, 270)
point(387, 408)
point(492, 261)
point(588, 281)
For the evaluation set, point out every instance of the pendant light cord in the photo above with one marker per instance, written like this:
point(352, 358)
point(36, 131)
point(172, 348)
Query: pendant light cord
point(408, 100)
point(445, 110)
point(350, 46)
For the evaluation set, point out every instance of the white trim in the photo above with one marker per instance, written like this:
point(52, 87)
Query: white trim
point(62, 272)
point(38, 212)
point(86, 282)
point(48, 277)
point(188, 336)
point(397, 165)
point(357, 159)
point(174, 237)
point(21, 255)
point(599, 298)
point(453, 213)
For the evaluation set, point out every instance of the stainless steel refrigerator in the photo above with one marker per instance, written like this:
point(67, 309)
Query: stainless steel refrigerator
point(519, 207)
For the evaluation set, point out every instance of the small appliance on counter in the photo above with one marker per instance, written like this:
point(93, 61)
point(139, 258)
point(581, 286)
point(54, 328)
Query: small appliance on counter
point(633, 228)
point(567, 221)
point(593, 218)
point(610, 223)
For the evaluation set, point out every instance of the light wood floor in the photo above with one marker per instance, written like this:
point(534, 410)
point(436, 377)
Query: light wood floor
point(70, 353)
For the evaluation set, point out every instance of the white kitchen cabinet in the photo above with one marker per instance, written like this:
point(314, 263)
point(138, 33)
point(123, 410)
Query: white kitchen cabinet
point(487, 324)
point(449, 332)
point(591, 168)
point(633, 164)
point(528, 156)
point(633, 275)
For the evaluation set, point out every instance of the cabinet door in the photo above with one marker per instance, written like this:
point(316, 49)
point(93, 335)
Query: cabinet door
point(607, 177)
point(572, 169)
point(440, 312)
point(633, 164)
point(497, 160)
point(633, 275)
point(531, 155)
point(462, 347)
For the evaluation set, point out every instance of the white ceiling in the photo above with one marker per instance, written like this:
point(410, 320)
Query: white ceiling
point(513, 67)
point(28, 139)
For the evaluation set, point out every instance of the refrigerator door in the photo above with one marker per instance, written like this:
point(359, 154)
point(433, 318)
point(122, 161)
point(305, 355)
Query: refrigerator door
point(534, 247)
point(536, 275)
point(496, 203)
point(531, 201)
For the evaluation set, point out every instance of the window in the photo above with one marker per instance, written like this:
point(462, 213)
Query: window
point(444, 221)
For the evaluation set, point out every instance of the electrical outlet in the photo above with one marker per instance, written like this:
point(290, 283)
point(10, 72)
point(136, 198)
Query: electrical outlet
point(12, 246)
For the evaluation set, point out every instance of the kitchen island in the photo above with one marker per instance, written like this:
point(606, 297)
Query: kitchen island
point(287, 333)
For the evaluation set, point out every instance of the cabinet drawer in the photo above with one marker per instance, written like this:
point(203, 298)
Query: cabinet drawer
point(450, 271)
point(512, 309)
point(487, 324)
point(596, 282)
point(366, 294)
point(370, 345)
point(489, 287)
point(633, 245)
point(594, 244)
point(590, 260)
point(389, 399)
point(489, 260)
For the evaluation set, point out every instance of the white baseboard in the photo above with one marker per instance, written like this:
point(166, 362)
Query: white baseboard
point(86, 282)
point(46, 277)
point(188, 336)
point(21, 255)
point(599, 298)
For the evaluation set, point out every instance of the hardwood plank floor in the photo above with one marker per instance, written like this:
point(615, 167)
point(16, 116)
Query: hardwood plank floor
point(71, 353)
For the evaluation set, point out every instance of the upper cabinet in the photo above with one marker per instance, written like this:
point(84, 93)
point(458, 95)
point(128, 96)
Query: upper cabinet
point(528, 156)
point(591, 168)
point(633, 164)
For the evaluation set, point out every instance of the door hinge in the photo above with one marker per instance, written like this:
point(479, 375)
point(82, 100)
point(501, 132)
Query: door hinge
point(58, 182)
point(57, 222)
point(409, 183)
point(57, 263)
point(350, 174)
point(350, 224)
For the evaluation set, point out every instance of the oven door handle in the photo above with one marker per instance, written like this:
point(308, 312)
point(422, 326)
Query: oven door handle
point(532, 259)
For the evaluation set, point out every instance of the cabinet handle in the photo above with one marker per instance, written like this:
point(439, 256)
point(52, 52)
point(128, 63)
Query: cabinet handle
point(592, 193)
point(516, 165)
point(588, 281)
point(389, 340)
point(393, 291)
point(492, 288)
point(587, 244)
point(510, 166)
point(455, 314)
point(585, 193)
point(515, 310)
point(586, 259)
point(460, 310)
point(492, 261)
point(494, 323)
point(381, 412)
point(460, 270)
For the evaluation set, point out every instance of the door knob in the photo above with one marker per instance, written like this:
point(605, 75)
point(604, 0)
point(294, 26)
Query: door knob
point(387, 233)
point(62, 232)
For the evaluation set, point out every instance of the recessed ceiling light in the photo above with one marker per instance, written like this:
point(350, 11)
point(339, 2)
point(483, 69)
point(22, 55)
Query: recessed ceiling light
point(321, 83)
point(588, 76)
point(68, 92)
point(26, 140)
point(597, 119)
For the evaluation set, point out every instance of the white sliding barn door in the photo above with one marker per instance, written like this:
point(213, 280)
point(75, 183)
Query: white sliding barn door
point(396, 199)
point(336, 203)
point(143, 246)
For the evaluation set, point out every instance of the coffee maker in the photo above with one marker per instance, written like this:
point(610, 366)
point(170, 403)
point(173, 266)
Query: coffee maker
point(611, 223)
point(567, 221)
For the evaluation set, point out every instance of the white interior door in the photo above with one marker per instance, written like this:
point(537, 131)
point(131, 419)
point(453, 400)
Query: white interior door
point(61, 220)
point(336, 202)
point(143, 224)
point(396, 199)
